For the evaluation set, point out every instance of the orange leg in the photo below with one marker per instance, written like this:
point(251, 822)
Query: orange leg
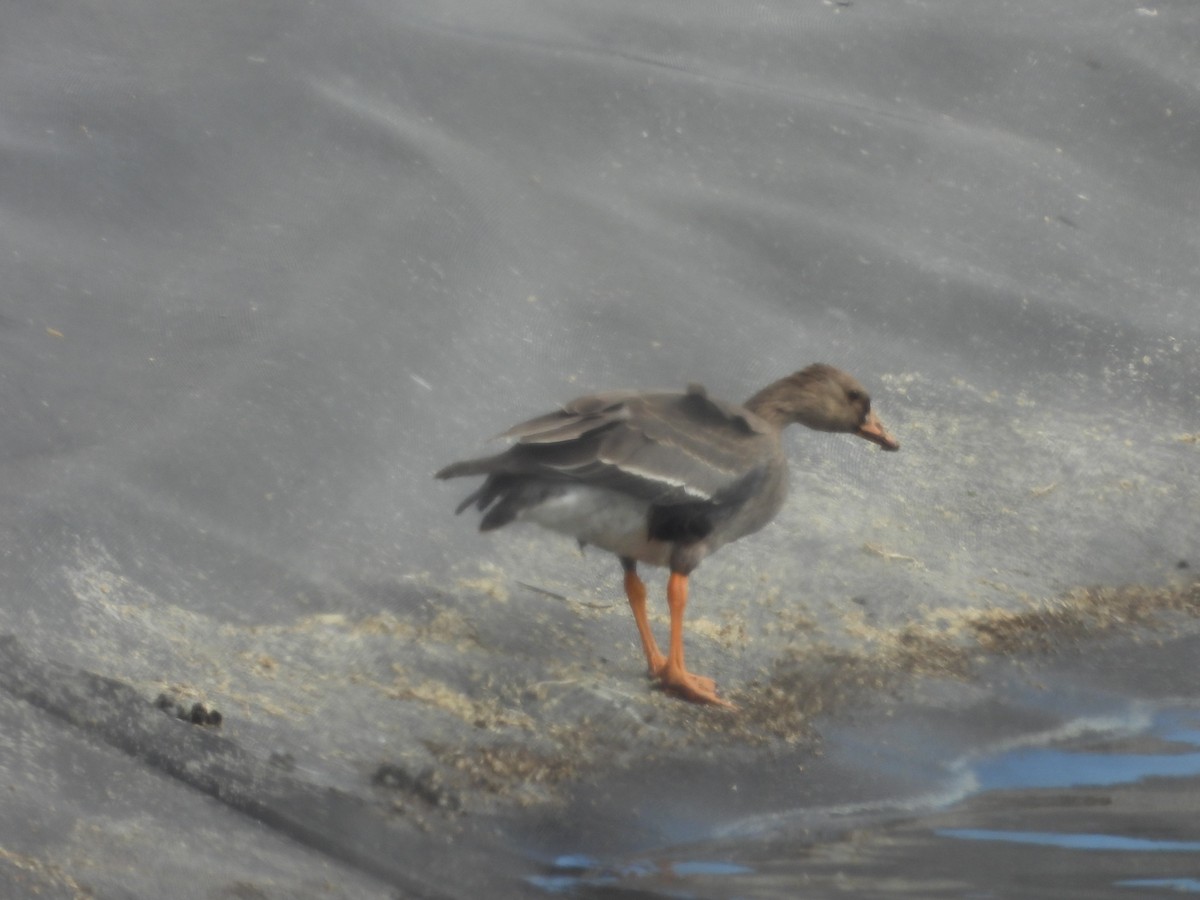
point(635, 590)
point(673, 674)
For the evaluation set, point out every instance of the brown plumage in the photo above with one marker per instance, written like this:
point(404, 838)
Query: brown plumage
point(663, 478)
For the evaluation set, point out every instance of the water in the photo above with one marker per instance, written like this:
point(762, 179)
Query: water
point(1104, 807)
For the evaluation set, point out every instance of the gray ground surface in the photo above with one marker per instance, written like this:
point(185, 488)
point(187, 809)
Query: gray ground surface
point(268, 267)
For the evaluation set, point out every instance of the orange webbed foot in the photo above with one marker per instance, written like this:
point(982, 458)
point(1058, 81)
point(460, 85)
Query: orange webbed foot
point(673, 675)
point(693, 688)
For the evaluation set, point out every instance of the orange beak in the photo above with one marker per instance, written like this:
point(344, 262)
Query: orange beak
point(872, 429)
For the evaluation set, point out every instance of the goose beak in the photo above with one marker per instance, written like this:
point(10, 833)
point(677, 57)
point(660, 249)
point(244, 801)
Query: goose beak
point(872, 430)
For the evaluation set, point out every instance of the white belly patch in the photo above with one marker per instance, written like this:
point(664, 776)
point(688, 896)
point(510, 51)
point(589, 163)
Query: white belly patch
point(609, 520)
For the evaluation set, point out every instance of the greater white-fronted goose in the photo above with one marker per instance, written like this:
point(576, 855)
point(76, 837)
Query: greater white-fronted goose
point(663, 478)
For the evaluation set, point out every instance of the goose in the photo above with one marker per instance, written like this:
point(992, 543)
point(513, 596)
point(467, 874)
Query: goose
point(663, 478)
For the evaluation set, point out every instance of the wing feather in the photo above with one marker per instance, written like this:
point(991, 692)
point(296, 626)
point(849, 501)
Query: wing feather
point(663, 447)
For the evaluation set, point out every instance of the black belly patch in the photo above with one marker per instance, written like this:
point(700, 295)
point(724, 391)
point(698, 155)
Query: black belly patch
point(683, 523)
point(692, 521)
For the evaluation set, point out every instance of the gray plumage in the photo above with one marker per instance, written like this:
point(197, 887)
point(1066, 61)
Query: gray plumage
point(686, 470)
point(669, 450)
point(663, 478)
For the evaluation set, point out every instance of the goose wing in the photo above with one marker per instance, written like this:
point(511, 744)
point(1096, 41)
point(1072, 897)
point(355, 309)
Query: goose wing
point(666, 448)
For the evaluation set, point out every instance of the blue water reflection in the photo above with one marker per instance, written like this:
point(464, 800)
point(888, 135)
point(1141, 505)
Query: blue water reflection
point(1135, 744)
point(1050, 767)
point(1068, 841)
point(1178, 885)
point(1044, 768)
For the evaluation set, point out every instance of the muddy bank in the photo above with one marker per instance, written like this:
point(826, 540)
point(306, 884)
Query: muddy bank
point(829, 746)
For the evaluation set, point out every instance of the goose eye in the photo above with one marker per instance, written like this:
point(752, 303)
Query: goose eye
point(854, 396)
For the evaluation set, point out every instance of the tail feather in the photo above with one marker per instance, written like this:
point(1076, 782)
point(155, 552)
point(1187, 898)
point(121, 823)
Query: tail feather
point(486, 494)
point(495, 487)
point(513, 483)
point(485, 465)
point(502, 496)
point(474, 497)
